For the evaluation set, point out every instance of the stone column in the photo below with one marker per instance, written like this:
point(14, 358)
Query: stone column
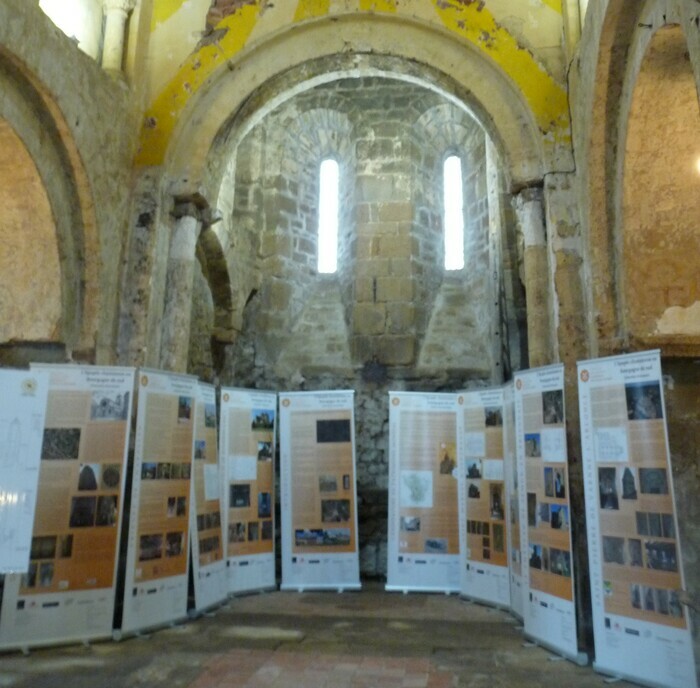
point(116, 13)
point(531, 224)
point(175, 329)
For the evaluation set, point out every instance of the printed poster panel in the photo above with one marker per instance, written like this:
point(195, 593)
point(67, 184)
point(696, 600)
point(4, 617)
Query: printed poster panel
point(482, 497)
point(206, 533)
point(423, 530)
point(549, 613)
point(641, 628)
point(68, 593)
point(22, 413)
point(157, 556)
point(318, 498)
point(248, 422)
point(514, 495)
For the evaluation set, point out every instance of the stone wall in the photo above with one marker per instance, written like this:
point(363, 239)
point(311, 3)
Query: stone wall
point(391, 318)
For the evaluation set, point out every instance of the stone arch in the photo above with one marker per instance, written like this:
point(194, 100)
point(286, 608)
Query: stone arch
point(495, 100)
point(38, 122)
point(622, 34)
point(212, 337)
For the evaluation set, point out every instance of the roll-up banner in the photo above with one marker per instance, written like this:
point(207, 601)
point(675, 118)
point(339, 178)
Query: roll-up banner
point(423, 531)
point(549, 611)
point(22, 412)
point(206, 532)
point(482, 497)
point(247, 441)
point(514, 495)
point(641, 628)
point(155, 591)
point(318, 494)
point(68, 593)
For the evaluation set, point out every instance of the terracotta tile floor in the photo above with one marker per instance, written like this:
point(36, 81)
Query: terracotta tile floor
point(366, 639)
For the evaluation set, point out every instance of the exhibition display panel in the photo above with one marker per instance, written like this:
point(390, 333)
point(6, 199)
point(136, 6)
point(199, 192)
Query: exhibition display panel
point(247, 441)
point(206, 533)
point(22, 413)
point(549, 610)
point(157, 562)
point(68, 591)
point(482, 498)
point(641, 628)
point(423, 529)
point(318, 495)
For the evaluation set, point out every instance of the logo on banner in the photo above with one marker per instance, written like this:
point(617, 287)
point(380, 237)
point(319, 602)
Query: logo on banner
point(144, 381)
point(285, 402)
point(460, 400)
point(584, 376)
point(519, 384)
point(395, 401)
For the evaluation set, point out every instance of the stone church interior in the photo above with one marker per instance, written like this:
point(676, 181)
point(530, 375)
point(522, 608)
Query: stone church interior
point(160, 170)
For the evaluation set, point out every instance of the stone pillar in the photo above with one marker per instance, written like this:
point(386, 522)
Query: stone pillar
point(116, 13)
point(175, 329)
point(531, 224)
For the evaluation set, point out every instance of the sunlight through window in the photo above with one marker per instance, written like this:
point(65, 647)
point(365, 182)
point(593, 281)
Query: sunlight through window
point(328, 217)
point(454, 214)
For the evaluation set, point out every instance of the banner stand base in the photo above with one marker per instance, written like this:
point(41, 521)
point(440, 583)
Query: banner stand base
point(253, 591)
point(615, 676)
point(496, 606)
point(320, 588)
point(580, 658)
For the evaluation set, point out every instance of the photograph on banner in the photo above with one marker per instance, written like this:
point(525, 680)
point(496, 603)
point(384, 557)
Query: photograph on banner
point(485, 480)
point(323, 489)
point(22, 417)
point(76, 526)
point(249, 473)
point(548, 511)
point(427, 481)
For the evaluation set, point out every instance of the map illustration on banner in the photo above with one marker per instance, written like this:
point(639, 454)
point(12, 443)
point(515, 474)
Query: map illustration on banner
point(157, 556)
point(22, 413)
point(549, 610)
point(68, 592)
point(423, 531)
point(641, 629)
point(482, 497)
point(248, 422)
point(206, 534)
point(319, 517)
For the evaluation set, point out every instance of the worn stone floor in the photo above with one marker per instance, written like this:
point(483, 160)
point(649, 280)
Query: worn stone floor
point(366, 639)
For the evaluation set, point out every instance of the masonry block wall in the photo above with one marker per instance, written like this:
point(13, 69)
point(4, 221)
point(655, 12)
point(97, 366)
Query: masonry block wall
point(391, 318)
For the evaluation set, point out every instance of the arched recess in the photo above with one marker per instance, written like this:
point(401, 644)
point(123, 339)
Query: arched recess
point(621, 36)
point(37, 122)
point(210, 335)
point(353, 41)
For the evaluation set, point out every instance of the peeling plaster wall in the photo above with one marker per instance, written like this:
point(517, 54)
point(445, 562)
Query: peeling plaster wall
point(89, 133)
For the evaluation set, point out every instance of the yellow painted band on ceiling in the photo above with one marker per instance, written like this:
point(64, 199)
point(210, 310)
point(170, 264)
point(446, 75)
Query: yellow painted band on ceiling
point(163, 10)
point(547, 99)
point(378, 6)
point(310, 9)
point(553, 4)
point(469, 20)
point(162, 116)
